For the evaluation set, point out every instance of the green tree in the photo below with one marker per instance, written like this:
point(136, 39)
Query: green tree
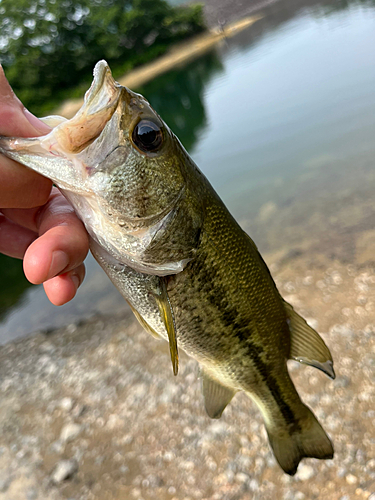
point(49, 46)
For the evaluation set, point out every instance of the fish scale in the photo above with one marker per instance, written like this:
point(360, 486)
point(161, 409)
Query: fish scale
point(189, 272)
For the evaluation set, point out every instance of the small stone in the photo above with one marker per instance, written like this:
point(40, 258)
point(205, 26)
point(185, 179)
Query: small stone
point(341, 472)
point(31, 494)
point(47, 347)
point(307, 280)
point(350, 479)
point(241, 477)
point(66, 404)
point(4, 484)
point(313, 323)
point(305, 472)
point(57, 447)
point(64, 470)
point(71, 328)
point(70, 432)
point(300, 496)
point(78, 410)
point(253, 485)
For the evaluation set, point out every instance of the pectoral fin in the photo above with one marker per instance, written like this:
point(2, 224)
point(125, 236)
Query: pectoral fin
point(306, 344)
point(166, 313)
point(216, 396)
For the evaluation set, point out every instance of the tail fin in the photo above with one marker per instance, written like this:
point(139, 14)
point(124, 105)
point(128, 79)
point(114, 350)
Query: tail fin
point(306, 439)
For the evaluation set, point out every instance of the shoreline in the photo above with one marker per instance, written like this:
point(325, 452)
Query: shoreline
point(92, 411)
point(177, 55)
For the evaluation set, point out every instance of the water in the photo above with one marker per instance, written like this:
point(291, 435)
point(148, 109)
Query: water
point(281, 119)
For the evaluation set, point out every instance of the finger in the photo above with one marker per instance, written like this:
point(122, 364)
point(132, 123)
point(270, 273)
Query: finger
point(20, 186)
point(15, 119)
point(59, 250)
point(14, 239)
point(63, 288)
point(57, 211)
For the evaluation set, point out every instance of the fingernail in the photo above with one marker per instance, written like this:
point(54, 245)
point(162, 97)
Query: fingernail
point(58, 263)
point(75, 280)
point(36, 123)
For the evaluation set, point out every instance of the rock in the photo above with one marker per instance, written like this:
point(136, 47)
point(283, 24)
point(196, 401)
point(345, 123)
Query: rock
point(31, 494)
point(70, 432)
point(78, 410)
point(66, 404)
point(351, 479)
point(241, 477)
point(305, 472)
point(57, 447)
point(64, 470)
point(253, 485)
point(4, 483)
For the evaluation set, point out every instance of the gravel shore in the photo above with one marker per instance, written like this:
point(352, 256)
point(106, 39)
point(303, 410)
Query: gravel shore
point(92, 411)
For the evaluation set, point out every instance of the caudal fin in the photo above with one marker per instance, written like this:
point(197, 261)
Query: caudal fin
point(303, 440)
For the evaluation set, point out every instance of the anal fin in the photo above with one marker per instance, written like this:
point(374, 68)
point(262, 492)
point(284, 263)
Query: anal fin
point(216, 396)
point(306, 345)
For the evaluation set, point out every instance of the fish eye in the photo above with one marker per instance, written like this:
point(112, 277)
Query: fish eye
point(147, 136)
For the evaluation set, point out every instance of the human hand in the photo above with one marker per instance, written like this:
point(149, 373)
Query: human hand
point(37, 224)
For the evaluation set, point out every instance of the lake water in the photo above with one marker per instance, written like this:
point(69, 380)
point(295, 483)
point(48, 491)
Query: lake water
point(281, 119)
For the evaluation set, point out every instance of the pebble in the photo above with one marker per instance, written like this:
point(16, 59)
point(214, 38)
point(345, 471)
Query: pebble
point(253, 485)
point(66, 404)
point(241, 477)
point(305, 472)
point(31, 494)
point(351, 479)
point(69, 432)
point(4, 484)
point(64, 470)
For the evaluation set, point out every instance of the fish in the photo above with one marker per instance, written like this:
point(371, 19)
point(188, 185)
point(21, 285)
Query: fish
point(189, 272)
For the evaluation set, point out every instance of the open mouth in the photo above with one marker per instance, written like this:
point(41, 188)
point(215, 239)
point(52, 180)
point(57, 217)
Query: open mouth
point(103, 92)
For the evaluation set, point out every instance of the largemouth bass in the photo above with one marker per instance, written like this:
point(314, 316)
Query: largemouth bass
point(191, 275)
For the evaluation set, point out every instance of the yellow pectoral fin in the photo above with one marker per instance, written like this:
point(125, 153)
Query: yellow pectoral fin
point(166, 313)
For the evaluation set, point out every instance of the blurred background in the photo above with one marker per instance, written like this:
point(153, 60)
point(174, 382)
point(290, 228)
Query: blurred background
point(281, 119)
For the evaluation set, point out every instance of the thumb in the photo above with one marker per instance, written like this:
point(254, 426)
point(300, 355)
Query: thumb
point(15, 119)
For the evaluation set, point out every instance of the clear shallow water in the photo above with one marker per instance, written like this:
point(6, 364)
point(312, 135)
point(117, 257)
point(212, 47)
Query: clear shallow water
point(281, 119)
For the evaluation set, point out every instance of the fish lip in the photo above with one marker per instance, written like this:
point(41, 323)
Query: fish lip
point(103, 82)
point(100, 72)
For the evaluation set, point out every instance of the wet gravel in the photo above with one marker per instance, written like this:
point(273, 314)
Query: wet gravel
point(92, 411)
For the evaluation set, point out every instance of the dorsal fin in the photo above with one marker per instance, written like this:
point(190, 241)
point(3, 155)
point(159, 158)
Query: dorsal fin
point(216, 396)
point(306, 345)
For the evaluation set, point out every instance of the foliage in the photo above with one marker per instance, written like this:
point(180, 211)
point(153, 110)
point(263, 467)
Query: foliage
point(13, 283)
point(49, 46)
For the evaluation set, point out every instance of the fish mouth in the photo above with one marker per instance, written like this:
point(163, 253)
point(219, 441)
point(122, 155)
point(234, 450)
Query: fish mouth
point(103, 90)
